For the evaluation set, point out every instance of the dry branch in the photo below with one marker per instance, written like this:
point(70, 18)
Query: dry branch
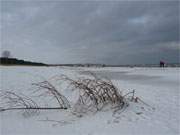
point(32, 108)
point(47, 88)
point(12, 100)
point(94, 93)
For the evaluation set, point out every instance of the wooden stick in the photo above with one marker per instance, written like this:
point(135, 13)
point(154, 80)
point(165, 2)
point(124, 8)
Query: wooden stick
point(32, 108)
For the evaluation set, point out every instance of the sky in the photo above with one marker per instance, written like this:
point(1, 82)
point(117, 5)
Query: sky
point(105, 32)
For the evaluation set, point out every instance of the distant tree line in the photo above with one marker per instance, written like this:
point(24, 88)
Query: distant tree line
point(14, 61)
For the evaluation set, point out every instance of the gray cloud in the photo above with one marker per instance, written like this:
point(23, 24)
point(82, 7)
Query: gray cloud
point(116, 32)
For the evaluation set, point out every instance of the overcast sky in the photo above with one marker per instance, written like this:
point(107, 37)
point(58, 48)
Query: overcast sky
point(138, 32)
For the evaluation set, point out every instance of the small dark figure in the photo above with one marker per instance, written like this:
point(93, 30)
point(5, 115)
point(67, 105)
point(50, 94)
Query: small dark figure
point(161, 64)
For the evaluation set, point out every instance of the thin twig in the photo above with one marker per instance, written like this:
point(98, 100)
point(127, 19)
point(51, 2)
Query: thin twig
point(32, 108)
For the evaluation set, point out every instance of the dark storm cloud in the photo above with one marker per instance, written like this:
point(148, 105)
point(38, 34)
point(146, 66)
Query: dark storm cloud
point(116, 32)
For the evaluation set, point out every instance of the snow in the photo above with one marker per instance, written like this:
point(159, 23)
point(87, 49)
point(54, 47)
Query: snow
point(157, 87)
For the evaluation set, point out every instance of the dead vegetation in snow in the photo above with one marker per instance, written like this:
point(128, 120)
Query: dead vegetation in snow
point(94, 94)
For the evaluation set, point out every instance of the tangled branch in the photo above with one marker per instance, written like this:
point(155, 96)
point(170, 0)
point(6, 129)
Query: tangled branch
point(95, 93)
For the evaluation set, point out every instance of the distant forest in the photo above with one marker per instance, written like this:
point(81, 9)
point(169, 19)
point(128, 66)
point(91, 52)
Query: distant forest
point(14, 61)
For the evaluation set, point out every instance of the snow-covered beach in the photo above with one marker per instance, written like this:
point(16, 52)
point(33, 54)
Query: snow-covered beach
point(158, 87)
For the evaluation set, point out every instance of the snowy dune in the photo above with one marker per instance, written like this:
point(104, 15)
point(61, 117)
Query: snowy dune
point(158, 87)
